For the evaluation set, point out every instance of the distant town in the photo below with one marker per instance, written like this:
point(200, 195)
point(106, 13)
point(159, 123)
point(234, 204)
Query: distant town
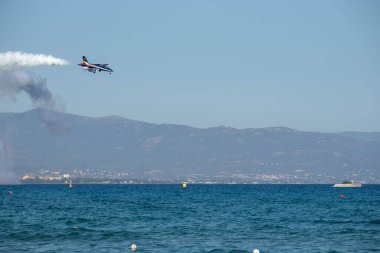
point(89, 176)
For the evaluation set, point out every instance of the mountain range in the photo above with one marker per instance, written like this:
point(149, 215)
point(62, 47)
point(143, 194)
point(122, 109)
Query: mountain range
point(44, 139)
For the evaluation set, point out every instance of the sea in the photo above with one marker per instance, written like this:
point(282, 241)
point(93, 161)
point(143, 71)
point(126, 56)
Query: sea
point(199, 218)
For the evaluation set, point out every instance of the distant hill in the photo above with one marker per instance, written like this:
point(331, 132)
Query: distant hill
point(41, 139)
point(375, 136)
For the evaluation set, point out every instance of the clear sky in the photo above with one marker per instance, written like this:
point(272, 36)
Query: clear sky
point(308, 65)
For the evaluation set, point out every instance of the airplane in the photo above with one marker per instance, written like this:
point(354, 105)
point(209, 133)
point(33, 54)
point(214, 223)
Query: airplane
point(94, 67)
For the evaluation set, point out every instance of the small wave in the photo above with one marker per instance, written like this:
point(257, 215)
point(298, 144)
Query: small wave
point(81, 229)
point(227, 251)
point(333, 221)
point(29, 236)
point(374, 222)
point(348, 231)
point(76, 221)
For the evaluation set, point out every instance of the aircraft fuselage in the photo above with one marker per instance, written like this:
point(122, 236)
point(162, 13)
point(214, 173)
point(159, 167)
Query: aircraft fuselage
point(94, 67)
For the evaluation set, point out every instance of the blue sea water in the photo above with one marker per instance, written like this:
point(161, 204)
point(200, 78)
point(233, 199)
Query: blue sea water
point(200, 218)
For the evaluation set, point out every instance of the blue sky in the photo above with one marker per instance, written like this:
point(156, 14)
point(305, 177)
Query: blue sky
point(308, 65)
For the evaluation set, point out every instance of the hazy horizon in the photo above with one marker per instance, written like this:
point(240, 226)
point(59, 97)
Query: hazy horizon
point(170, 123)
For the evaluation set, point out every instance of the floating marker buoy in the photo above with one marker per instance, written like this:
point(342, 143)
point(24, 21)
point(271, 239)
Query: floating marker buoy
point(255, 251)
point(133, 247)
point(184, 185)
point(70, 184)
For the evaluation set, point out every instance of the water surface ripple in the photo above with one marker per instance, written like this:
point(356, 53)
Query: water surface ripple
point(201, 218)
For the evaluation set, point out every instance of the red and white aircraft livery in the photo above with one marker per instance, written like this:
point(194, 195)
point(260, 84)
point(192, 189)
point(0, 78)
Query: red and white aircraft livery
point(94, 67)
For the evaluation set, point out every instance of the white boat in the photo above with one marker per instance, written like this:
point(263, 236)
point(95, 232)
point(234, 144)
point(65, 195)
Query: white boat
point(348, 184)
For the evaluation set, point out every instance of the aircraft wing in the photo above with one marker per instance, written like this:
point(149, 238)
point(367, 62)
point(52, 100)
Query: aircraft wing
point(91, 67)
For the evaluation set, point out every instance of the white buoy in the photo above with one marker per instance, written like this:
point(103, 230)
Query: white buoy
point(255, 251)
point(133, 247)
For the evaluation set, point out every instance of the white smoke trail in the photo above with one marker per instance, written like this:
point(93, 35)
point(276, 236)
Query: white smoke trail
point(13, 60)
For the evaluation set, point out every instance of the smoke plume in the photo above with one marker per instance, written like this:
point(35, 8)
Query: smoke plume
point(13, 82)
point(14, 78)
point(7, 176)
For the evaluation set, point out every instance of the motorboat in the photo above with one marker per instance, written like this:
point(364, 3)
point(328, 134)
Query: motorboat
point(348, 184)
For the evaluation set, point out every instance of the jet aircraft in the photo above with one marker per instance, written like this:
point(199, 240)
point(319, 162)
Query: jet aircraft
point(91, 67)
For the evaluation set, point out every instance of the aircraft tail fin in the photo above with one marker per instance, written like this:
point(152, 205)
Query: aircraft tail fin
point(84, 58)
